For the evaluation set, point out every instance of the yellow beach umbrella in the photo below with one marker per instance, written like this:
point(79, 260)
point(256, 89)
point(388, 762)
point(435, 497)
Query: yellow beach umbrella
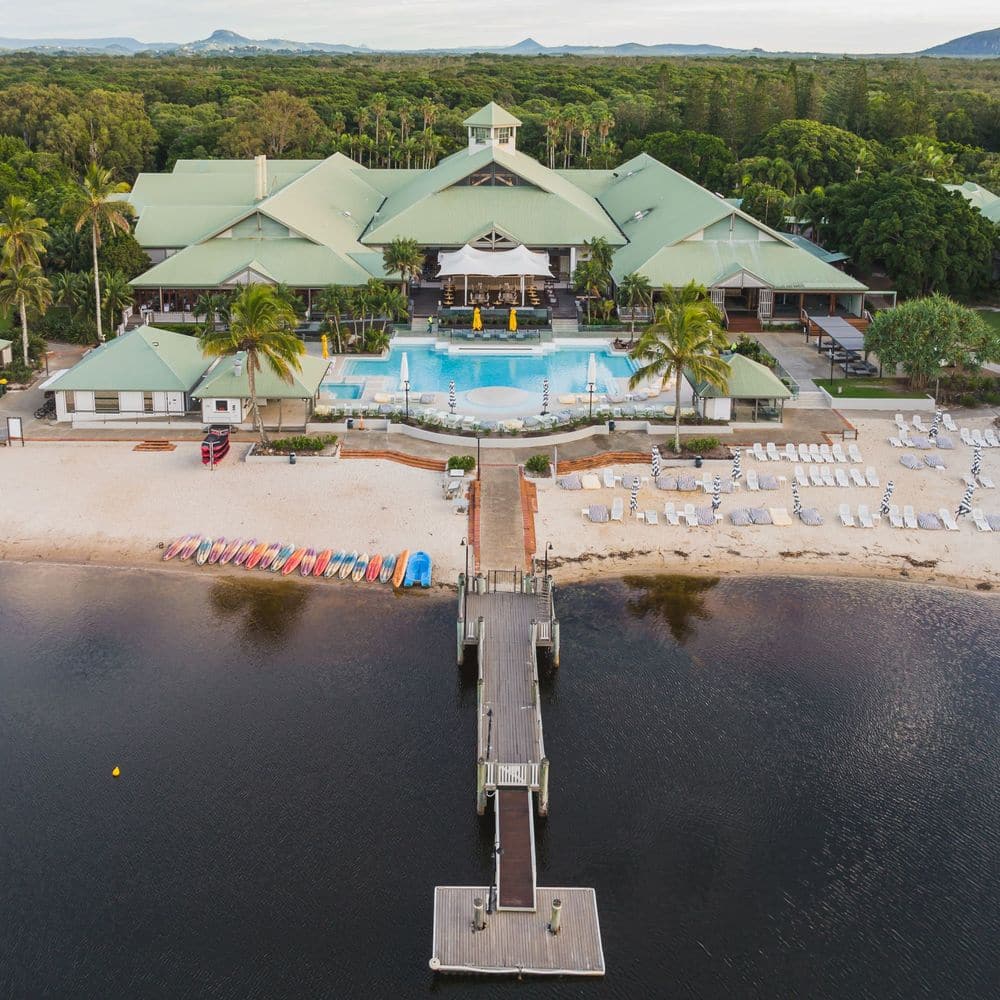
point(326, 346)
point(477, 320)
point(512, 322)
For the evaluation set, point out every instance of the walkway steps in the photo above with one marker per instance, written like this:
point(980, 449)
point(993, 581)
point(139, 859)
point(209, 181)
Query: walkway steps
point(413, 461)
point(158, 444)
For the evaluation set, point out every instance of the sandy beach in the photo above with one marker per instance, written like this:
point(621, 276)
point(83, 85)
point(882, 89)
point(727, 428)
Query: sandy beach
point(103, 503)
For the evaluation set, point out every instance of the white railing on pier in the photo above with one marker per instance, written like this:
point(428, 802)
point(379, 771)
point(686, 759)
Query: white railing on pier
point(512, 775)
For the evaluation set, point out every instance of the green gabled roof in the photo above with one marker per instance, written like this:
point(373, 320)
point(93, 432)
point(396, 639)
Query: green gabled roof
point(295, 261)
point(180, 225)
point(491, 116)
point(223, 382)
point(827, 256)
point(433, 210)
point(747, 379)
point(146, 359)
point(709, 261)
point(979, 197)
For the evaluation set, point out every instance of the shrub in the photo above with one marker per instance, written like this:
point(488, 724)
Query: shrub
point(303, 442)
point(538, 464)
point(700, 444)
point(464, 462)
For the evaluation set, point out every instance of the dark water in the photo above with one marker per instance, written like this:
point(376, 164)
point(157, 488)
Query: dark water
point(799, 800)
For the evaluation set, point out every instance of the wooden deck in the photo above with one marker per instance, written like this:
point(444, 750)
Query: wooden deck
point(516, 842)
point(517, 941)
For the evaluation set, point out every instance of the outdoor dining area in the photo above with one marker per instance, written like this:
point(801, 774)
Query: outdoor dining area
point(495, 278)
point(844, 344)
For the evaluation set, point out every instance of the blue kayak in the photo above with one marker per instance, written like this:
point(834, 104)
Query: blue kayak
point(418, 570)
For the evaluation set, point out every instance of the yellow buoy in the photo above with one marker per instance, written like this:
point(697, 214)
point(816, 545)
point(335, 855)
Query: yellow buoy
point(116, 771)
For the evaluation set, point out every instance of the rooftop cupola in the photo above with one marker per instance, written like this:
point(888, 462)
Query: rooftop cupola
point(492, 126)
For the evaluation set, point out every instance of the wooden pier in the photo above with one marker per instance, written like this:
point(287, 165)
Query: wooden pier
point(514, 925)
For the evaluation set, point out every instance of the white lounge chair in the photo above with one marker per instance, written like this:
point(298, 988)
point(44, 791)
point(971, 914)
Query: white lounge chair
point(909, 517)
point(947, 519)
point(609, 479)
point(856, 477)
point(991, 438)
point(617, 509)
point(950, 425)
point(967, 480)
point(814, 452)
point(864, 517)
point(670, 514)
point(772, 451)
point(790, 452)
point(871, 476)
point(758, 452)
point(854, 453)
point(804, 453)
point(986, 482)
point(965, 435)
point(841, 478)
point(900, 422)
point(827, 477)
point(826, 454)
point(800, 476)
point(895, 518)
point(815, 479)
point(651, 517)
point(979, 519)
point(918, 424)
point(977, 438)
point(690, 515)
point(846, 518)
point(752, 484)
point(896, 442)
point(838, 454)
point(780, 516)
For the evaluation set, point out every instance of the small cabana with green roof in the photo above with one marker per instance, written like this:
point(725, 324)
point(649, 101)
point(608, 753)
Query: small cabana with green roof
point(225, 392)
point(753, 392)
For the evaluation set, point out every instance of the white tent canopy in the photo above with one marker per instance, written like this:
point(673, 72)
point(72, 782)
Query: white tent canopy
point(494, 263)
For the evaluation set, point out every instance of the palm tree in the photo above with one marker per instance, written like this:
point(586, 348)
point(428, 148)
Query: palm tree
point(23, 238)
point(686, 335)
point(214, 306)
point(117, 296)
point(590, 279)
point(403, 256)
point(262, 328)
point(635, 290)
point(333, 301)
point(25, 286)
point(64, 289)
point(92, 206)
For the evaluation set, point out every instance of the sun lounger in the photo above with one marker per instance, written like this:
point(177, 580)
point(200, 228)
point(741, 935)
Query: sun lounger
point(811, 517)
point(933, 462)
point(856, 478)
point(758, 452)
point(690, 515)
point(609, 479)
point(707, 518)
point(827, 476)
point(791, 454)
point(854, 453)
point(617, 509)
point(895, 442)
point(804, 453)
point(846, 518)
point(596, 513)
point(918, 423)
point(570, 482)
point(814, 453)
point(921, 442)
point(772, 451)
point(895, 518)
point(965, 436)
point(945, 442)
point(841, 477)
point(760, 515)
point(991, 439)
point(826, 453)
point(838, 454)
point(670, 514)
point(800, 476)
point(815, 479)
point(767, 482)
point(986, 482)
point(686, 484)
point(949, 423)
point(909, 461)
point(977, 438)
point(752, 485)
point(928, 521)
point(871, 476)
point(651, 517)
point(740, 517)
point(979, 520)
point(909, 517)
point(590, 481)
point(864, 517)
point(780, 516)
point(666, 483)
point(900, 422)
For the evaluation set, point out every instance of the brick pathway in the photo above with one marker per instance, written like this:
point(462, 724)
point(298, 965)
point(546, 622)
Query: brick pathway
point(501, 521)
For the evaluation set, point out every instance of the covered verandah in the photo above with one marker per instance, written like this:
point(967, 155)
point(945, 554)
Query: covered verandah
point(494, 278)
point(845, 345)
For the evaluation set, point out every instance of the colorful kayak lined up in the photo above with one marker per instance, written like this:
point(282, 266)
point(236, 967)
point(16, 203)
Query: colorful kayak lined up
point(400, 570)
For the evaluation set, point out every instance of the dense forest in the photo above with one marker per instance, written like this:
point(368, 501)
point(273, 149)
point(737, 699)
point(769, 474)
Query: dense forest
point(844, 145)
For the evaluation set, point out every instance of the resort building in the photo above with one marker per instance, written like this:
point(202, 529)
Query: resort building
point(6, 353)
point(753, 392)
point(979, 197)
point(498, 230)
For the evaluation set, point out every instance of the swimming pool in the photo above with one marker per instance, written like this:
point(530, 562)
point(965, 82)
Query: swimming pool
point(342, 390)
point(431, 370)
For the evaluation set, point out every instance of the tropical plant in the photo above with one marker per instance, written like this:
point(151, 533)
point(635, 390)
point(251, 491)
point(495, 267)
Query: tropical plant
point(262, 328)
point(600, 250)
point(64, 289)
point(590, 278)
point(118, 296)
point(635, 291)
point(686, 335)
point(403, 256)
point(334, 301)
point(91, 207)
point(24, 286)
point(214, 306)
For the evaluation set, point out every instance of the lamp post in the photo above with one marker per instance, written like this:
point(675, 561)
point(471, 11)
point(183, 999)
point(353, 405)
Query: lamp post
point(406, 394)
point(465, 592)
point(548, 549)
point(590, 389)
point(478, 463)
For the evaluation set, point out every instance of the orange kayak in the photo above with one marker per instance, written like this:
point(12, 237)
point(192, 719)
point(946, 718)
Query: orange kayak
point(397, 577)
point(293, 560)
point(246, 550)
point(322, 561)
point(371, 574)
point(256, 555)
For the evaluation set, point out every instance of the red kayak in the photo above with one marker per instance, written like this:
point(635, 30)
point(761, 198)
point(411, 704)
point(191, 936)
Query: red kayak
point(255, 556)
point(374, 568)
point(293, 560)
point(308, 562)
point(322, 561)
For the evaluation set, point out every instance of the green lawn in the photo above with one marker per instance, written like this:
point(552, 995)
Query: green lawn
point(868, 388)
point(991, 316)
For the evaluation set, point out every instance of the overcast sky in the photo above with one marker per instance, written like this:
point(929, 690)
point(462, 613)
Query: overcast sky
point(845, 26)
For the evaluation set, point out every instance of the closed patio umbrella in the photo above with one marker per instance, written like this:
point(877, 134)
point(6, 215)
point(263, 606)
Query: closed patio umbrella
point(977, 461)
point(512, 321)
point(404, 370)
point(633, 500)
point(883, 507)
point(477, 319)
point(452, 398)
point(324, 341)
point(545, 396)
point(717, 492)
point(796, 499)
point(655, 462)
point(737, 471)
point(965, 504)
point(935, 425)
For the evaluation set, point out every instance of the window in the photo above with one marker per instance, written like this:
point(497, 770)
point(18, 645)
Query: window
point(222, 406)
point(503, 134)
point(481, 135)
point(70, 398)
point(147, 402)
point(493, 175)
point(106, 402)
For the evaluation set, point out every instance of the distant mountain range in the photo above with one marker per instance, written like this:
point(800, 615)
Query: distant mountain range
point(982, 44)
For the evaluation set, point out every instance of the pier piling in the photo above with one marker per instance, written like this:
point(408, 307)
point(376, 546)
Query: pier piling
point(555, 923)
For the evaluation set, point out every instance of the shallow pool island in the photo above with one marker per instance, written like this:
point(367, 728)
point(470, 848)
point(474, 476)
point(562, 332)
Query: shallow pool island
point(513, 926)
